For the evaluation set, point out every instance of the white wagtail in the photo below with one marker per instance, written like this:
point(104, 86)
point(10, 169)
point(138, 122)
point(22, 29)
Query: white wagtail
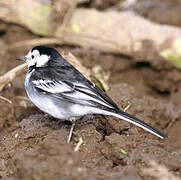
point(59, 89)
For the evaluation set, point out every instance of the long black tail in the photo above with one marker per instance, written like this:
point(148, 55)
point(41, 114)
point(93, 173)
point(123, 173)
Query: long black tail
point(127, 117)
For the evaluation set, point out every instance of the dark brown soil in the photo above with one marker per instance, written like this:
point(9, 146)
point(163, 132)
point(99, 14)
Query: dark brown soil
point(33, 146)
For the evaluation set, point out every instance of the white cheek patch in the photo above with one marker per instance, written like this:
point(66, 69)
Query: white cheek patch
point(31, 62)
point(42, 60)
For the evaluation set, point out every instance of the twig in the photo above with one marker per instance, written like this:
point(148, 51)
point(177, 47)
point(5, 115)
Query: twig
point(5, 99)
point(127, 107)
point(10, 75)
point(78, 144)
point(22, 97)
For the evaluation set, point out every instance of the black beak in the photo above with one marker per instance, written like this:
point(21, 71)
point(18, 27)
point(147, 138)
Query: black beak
point(21, 58)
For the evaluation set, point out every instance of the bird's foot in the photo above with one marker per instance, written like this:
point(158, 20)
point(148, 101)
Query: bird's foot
point(71, 130)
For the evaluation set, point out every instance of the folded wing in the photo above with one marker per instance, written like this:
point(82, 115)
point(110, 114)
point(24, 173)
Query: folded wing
point(75, 92)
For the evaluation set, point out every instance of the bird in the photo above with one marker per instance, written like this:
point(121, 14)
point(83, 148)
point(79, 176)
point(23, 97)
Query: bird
point(57, 88)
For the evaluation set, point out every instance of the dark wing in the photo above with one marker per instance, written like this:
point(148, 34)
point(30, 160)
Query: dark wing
point(52, 86)
point(65, 81)
point(76, 93)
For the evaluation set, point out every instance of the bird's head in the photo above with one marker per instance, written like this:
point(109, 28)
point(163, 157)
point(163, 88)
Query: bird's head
point(40, 56)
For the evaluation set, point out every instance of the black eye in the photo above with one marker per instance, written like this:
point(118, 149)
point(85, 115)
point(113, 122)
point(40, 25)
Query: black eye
point(32, 56)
